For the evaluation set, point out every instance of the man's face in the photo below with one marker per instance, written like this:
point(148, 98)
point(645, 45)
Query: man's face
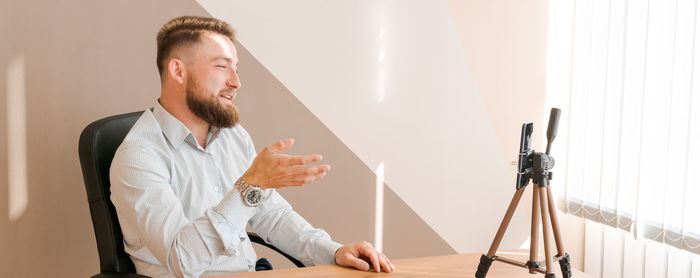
point(213, 80)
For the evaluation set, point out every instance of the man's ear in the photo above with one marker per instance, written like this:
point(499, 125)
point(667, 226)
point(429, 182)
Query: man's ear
point(176, 70)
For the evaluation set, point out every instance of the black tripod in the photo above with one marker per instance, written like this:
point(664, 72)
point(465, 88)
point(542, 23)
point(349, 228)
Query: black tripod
point(535, 166)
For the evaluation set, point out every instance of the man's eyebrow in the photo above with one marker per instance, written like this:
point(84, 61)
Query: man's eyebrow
point(224, 58)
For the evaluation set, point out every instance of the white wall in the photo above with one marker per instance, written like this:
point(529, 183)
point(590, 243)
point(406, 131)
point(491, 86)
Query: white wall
point(434, 90)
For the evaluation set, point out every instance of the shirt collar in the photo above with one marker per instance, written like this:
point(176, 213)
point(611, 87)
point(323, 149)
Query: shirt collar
point(176, 131)
point(213, 134)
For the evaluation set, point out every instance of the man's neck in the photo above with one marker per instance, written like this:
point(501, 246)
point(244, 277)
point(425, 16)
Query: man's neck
point(198, 127)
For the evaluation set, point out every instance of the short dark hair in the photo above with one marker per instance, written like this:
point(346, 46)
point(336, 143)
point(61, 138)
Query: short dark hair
point(186, 30)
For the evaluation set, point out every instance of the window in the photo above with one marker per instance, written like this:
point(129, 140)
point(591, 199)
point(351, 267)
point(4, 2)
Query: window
point(626, 75)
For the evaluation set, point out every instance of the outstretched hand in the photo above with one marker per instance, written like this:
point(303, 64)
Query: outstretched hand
point(271, 169)
point(360, 255)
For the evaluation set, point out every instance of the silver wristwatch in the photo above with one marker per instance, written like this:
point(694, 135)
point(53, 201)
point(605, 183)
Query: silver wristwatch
point(252, 195)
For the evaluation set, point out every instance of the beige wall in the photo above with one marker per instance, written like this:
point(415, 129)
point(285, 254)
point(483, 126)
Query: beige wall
point(86, 60)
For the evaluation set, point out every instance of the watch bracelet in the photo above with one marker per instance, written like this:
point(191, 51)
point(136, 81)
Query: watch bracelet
point(241, 185)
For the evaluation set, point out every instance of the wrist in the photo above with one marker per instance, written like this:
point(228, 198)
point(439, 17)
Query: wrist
point(250, 194)
point(335, 255)
point(252, 180)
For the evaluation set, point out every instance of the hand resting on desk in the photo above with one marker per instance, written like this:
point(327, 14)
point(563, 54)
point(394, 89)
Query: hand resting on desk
point(360, 254)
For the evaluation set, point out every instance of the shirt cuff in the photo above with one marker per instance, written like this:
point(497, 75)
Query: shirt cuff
point(326, 252)
point(228, 219)
point(230, 205)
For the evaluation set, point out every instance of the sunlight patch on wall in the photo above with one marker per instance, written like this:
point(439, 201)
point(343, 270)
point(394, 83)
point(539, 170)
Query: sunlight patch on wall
point(379, 209)
point(16, 138)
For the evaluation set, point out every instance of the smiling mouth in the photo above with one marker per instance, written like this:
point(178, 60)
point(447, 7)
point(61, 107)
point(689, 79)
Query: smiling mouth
point(228, 97)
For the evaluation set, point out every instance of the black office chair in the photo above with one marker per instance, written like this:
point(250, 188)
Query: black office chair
point(98, 143)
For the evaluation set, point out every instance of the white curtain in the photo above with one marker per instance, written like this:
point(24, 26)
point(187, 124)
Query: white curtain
point(627, 75)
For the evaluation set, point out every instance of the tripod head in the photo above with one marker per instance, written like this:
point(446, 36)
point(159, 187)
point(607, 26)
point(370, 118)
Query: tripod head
point(535, 165)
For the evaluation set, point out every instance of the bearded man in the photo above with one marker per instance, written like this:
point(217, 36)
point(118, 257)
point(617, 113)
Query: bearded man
point(186, 179)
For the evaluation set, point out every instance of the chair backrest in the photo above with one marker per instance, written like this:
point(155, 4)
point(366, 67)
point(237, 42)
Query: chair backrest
point(98, 143)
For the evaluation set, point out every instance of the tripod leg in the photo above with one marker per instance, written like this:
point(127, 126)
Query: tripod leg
point(564, 261)
point(504, 223)
point(555, 222)
point(487, 259)
point(545, 229)
point(532, 264)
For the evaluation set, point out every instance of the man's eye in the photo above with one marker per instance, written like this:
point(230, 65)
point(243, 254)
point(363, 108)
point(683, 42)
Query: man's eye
point(221, 67)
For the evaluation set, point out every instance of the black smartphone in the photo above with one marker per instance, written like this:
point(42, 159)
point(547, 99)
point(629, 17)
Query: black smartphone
point(524, 165)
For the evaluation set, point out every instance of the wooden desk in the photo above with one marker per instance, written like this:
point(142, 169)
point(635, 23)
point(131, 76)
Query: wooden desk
point(441, 266)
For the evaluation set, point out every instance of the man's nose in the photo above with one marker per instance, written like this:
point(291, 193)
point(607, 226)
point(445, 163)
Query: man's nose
point(234, 81)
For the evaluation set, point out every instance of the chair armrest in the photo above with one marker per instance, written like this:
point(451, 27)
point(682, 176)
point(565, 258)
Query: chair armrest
point(257, 239)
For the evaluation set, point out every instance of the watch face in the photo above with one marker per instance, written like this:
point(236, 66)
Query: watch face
point(253, 197)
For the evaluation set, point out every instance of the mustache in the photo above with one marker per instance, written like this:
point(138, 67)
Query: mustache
point(227, 91)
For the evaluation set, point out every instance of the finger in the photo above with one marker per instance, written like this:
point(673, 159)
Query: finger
point(386, 264)
point(316, 177)
point(302, 159)
point(301, 172)
point(383, 263)
point(393, 267)
point(369, 251)
point(300, 180)
point(357, 263)
point(309, 179)
point(280, 145)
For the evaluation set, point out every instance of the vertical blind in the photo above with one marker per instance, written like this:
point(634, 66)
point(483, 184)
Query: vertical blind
point(627, 75)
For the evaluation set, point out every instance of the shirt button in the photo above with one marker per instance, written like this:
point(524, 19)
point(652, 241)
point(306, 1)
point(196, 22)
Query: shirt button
point(216, 188)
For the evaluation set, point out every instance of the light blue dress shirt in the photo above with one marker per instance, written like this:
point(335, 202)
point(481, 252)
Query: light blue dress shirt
point(180, 213)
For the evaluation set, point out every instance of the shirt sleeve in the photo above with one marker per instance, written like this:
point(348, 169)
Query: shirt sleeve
point(143, 197)
point(277, 223)
point(281, 226)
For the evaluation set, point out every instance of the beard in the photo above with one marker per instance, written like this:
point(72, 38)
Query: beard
point(207, 106)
